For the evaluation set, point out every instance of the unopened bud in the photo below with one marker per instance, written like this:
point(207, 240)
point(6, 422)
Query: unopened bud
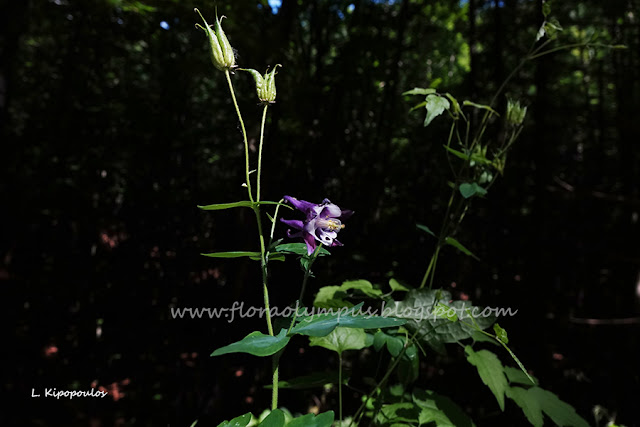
point(222, 54)
point(265, 85)
point(515, 113)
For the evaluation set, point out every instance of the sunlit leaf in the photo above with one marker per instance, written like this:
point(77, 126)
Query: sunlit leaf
point(274, 419)
point(257, 344)
point(560, 412)
point(319, 325)
point(241, 421)
point(420, 91)
point(471, 189)
point(397, 286)
point(299, 249)
point(435, 106)
point(491, 372)
point(341, 339)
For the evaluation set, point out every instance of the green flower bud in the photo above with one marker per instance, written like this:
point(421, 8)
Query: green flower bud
point(515, 113)
point(265, 85)
point(222, 54)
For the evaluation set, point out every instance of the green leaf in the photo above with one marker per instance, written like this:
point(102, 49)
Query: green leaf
point(439, 409)
point(219, 206)
point(310, 420)
point(274, 419)
point(194, 423)
point(453, 242)
point(560, 412)
point(394, 343)
point(316, 379)
point(516, 376)
point(456, 105)
point(480, 337)
point(435, 106)
point(400, 413)
point(299, 249)
point(456, 153)
point(471, 189)
point(420, 91)
point(397, 286)
point(241, 421)
point(332, 296)
point(425, 229)
point(490, 370)
point(341, 339)
point(546, 8)
point(501, 334)
point(320, 325)
point(409, 365)
point(257, 344)
point(233, 254)
point(528, 403)
point(480, 106)
point(272, 257)
point(432, 326)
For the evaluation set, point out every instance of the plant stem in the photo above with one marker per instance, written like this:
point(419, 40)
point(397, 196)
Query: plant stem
point(340, 386)
point(307, 272)
point(244, 134)
point(264, 119)
point(256, 210)
point(274, 380)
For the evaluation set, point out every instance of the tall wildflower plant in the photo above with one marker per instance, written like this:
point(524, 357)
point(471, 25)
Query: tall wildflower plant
point(403, 321)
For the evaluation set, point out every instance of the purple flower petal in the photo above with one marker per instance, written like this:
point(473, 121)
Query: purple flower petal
point(297, 224)
point(301, 205)
point(311, 243)
point(322, 222)
point(330, 211)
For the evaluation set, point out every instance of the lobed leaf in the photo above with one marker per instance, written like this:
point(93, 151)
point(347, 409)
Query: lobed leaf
point(435, 107)
point(490, 370)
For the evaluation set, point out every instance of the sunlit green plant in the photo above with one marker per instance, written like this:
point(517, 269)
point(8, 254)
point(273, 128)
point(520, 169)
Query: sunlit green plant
point(406, 320)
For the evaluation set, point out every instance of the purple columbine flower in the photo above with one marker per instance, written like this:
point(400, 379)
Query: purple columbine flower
point(323, 222)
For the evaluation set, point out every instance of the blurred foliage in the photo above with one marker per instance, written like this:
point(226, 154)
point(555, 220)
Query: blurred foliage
point(114, 126)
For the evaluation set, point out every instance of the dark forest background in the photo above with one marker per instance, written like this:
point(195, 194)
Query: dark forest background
point(115, 125)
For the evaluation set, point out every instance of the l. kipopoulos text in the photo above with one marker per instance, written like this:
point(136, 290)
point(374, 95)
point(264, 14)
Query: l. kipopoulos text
point(52, 392)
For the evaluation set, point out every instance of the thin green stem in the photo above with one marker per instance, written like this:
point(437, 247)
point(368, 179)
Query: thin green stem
point(273, 224)
point(340, 386)
point(264, 119)
point(566, 46)
point(435, 263)
point(244, 134)
point(275, 379)
point(307, 272)
point(256, 210)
